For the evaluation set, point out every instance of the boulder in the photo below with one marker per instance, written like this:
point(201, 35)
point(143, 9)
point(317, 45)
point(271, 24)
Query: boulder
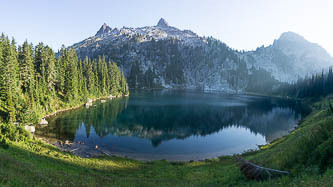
point(89, 103)
point(30, 129)
point(43, 122)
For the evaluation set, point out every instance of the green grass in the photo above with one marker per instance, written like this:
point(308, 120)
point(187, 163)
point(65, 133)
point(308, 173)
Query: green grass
point(303, 153)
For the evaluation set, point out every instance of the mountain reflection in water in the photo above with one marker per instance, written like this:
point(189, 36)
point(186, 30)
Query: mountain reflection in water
point(178, 123)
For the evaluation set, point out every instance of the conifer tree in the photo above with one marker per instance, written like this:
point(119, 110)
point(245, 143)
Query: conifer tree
point(3, 105)
point(50, 70)
point(103, 74)
point(9, 83)
point(96, 92)
point(26, 63)
point(115, 78)
point(90, 76)
point(80, 80)
point(39, 59)
point(60, 72)
point(71, 75)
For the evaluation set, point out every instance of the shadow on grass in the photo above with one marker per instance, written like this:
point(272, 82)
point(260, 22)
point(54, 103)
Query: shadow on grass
point(45, 165)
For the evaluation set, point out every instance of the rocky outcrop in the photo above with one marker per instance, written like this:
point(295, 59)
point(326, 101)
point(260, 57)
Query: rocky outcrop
point(105, 29)
point(162, 23)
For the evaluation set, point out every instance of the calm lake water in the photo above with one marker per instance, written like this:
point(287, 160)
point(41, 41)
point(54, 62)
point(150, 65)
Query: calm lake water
point(177, 125)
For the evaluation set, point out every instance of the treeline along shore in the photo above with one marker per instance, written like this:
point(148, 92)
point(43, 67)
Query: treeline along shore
point(36, 82)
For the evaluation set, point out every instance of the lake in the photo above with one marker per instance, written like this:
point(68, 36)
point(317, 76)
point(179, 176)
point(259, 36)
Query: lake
point(176, 125)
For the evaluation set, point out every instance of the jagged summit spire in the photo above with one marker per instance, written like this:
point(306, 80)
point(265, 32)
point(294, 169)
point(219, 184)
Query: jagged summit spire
point(162, 23)
point(103, 30)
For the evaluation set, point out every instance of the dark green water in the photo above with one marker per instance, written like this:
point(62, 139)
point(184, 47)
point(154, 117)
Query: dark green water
point(177, 125)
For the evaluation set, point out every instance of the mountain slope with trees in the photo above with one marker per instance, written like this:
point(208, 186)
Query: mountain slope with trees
point(163, 56)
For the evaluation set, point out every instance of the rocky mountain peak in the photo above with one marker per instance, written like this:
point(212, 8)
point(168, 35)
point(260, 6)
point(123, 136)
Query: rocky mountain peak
point(103, 30)
point(291, 36)
point(294, 44)
point(162, 23)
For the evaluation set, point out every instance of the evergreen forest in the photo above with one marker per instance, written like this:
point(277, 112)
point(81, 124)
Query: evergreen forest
point(36, 81)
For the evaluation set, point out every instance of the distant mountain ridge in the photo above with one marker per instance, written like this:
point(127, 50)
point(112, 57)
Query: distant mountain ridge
point(290, 57)
point(163, 56)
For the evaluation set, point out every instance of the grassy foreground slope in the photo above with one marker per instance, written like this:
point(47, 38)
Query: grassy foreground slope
point(306, 153)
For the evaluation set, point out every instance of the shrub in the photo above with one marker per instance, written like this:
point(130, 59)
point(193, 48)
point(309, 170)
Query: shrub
point(10, 132)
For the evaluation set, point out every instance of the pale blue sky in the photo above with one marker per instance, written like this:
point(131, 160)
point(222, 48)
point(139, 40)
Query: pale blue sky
point(242, 24)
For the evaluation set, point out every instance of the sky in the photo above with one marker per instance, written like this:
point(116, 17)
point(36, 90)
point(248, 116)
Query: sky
point(241, 24)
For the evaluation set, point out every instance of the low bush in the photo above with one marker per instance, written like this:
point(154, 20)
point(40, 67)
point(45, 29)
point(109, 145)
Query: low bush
point(11, 132)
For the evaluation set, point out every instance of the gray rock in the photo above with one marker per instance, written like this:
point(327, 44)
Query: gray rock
point(89, 103)
point(43, 122)
point(30, 129)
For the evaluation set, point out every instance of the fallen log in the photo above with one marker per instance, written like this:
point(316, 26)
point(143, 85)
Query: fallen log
point(74, 150)
point(105, 153)
point(255, 172)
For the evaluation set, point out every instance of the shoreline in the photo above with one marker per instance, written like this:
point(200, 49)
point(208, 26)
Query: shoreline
point(219, 92)
point(81, 105)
